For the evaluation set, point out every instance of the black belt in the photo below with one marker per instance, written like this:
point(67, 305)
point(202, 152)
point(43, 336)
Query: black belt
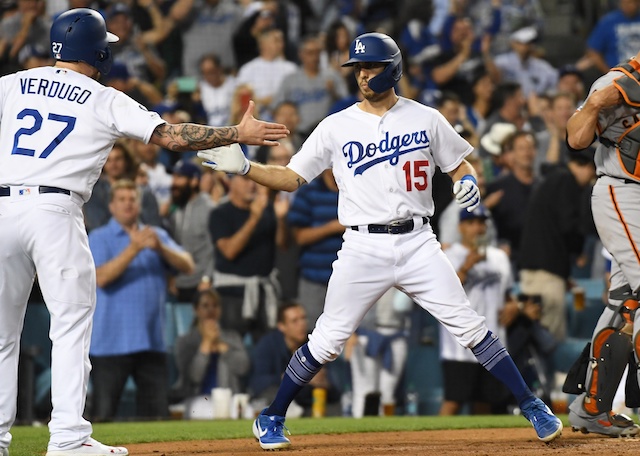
point(6, 191)
point(393, 228)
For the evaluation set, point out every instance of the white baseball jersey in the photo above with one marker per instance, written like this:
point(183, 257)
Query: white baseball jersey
point(387, 178)
point(61, 126)
point(486, 287)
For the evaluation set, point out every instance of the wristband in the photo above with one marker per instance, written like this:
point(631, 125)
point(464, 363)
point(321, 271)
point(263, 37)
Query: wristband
point(246, 167)
point(469, 177)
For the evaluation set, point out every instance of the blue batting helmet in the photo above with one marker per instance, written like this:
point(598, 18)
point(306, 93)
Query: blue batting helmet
point(80, 35)
point(377, 47)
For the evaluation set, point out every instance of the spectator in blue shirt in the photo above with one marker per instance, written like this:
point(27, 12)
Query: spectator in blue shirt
point(271, 354)
point(132, 262)
point(615, 37)
point(313, 219)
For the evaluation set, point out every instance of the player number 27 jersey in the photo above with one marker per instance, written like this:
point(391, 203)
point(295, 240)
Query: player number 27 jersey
point(58, 126)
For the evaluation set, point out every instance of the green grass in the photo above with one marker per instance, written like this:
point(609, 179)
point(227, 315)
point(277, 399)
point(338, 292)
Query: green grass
point(32, 441)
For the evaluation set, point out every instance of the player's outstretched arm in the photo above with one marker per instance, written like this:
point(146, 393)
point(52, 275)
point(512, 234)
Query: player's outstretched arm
point(582, 126)
point(189, 136)
point(231, 159)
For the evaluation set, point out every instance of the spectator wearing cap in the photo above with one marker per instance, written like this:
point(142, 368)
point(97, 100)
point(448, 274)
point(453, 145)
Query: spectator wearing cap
point(485, 273)
point(188, 223)
point(132, 49)
point(553, 235)
point(448, 221)
point(535, 75)
point(24, 33)
point(613, 39)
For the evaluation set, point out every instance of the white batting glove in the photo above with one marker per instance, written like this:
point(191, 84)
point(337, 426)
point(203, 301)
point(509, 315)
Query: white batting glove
point(229, 159)
point(467, 192)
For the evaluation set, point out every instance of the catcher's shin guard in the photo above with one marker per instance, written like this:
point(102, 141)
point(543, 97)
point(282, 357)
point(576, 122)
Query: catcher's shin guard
point(609, 356)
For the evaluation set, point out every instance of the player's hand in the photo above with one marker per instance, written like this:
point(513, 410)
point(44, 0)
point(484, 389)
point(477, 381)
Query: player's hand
point(229, 159)
point(258, 132)
point(467, 193)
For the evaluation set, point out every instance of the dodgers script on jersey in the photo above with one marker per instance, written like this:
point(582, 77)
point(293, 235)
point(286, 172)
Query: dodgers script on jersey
point(388, 178)
point(62, 126)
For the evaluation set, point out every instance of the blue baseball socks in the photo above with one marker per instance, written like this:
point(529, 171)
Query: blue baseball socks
point(494, 357)
point(301, 369)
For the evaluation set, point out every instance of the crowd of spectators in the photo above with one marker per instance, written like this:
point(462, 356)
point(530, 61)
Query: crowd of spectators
point(482, 63)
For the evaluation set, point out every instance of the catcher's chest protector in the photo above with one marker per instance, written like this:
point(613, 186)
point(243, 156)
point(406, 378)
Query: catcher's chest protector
point(628, 144)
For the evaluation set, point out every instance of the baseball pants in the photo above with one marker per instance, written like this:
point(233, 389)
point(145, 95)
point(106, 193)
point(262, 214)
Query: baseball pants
point(617, 217)
point(45, 233)
point(369, 264)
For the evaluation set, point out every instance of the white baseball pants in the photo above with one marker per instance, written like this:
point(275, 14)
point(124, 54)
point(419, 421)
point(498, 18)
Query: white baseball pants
point(45, 234)
point(369, 264)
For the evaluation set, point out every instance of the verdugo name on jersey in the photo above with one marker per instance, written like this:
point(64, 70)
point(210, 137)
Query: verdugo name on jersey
point(54, 89)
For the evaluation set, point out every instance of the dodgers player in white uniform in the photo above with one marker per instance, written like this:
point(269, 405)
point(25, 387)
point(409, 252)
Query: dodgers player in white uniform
point(614, 202)
point(383, 152)
point(57, 126)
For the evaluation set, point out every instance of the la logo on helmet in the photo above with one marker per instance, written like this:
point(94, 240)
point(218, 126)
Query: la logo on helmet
point(359, 48)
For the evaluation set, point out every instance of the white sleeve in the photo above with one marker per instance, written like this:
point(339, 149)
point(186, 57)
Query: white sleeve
point(132, 120)
point(315, 154)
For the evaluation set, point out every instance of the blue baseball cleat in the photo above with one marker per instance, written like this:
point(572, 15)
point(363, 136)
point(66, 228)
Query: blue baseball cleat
point(269, 431)
point(546, 424)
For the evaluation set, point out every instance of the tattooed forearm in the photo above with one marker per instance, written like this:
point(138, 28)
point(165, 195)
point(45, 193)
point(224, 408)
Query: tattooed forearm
point(188, 136)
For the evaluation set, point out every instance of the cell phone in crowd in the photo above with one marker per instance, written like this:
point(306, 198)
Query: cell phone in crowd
point(482, 242)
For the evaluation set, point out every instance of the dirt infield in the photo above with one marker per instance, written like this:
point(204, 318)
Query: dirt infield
point(480, 442)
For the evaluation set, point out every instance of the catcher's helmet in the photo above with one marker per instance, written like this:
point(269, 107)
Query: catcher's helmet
point(377, 47)
point(80, 35)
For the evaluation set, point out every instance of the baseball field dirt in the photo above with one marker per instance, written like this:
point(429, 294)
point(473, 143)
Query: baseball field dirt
point(480, 442)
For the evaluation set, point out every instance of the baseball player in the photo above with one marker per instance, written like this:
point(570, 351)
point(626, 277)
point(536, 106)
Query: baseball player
point(57, 127)
point(611, 113)
point(383, 152)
